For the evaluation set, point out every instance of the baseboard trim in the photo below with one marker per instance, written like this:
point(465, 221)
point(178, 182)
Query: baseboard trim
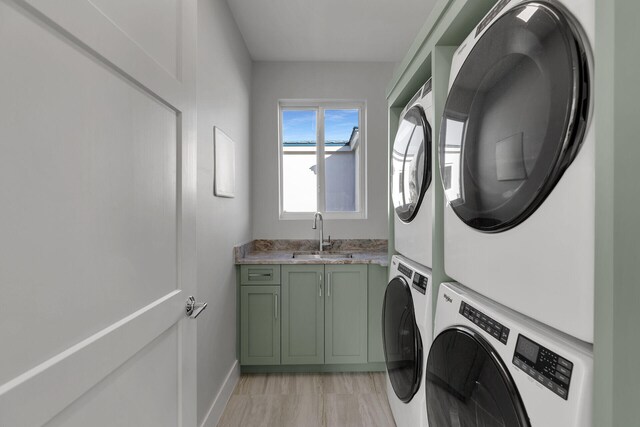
point(363, 367)
point(217, 406)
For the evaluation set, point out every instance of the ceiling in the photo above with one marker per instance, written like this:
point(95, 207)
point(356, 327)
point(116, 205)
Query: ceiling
point(329, 30)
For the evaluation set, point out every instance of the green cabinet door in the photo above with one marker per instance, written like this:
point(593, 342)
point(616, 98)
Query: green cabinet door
point(302, 314)
point(260, 325)
point(377, 286)
point(346, 314)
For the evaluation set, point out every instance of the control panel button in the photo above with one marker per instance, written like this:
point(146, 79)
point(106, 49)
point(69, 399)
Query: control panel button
point(549, 384)
point(563, 370)
point(562, 378)
point(560, 391)
point(565, 363)
point(504, 336)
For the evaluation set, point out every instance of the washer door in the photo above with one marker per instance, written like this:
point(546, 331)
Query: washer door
point(402, 341)
point(515, 117)
point(468, 384)
point(411, 164)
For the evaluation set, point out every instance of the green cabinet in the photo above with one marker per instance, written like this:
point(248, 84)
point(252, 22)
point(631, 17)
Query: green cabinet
point(311, 314)
point(302, 314)
point(377, 286)
point(346, 314)
point(259, 325)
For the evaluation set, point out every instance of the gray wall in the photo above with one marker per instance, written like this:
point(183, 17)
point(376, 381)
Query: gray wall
point(224, 90)
point(317, 80)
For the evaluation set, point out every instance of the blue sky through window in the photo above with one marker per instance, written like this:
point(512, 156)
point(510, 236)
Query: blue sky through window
point(300, 125)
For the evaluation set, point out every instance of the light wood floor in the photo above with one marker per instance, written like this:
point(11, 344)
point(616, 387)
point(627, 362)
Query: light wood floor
point(309, 400)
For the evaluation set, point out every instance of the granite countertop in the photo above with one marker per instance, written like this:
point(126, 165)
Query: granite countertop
point(364, 251)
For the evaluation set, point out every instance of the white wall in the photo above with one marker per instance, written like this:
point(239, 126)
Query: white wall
point(224, 83)
point(317, 80)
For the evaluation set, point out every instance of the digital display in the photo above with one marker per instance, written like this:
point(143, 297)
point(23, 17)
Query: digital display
point(527, 349)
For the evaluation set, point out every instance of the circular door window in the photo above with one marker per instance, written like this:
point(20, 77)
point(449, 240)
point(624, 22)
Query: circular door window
point(468, 385)
point(411, 163)
point(402, 341)
point(515, 117)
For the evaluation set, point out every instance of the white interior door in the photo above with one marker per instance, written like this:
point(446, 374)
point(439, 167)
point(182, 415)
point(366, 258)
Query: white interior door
point(97, 224)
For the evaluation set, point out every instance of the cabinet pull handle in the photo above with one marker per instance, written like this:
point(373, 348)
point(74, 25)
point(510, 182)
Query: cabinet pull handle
point(276, 305)
point(329, 285)
point(259, 274)
point(320, 285)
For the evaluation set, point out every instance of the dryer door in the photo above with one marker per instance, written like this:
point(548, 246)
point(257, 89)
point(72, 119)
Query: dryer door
point(515, 117)
point(411, 164)
point(402, 341)
point(468, 385)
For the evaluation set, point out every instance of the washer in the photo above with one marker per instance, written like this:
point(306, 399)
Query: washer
point(490, 366)
point(517, 153)
point(411, 188)
point(406, 333)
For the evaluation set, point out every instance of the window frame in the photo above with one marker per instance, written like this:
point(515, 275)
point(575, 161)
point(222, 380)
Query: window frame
point(319, 106)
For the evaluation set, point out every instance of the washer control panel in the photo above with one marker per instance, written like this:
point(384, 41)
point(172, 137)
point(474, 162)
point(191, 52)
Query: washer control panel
point(543, 365)
point(420, 283)
point(486, 323)
point(405, 270)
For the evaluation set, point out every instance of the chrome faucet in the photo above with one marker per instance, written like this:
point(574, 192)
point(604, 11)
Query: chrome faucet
point(321, 242)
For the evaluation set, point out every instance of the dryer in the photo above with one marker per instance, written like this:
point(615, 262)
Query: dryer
point(517, 160)
point(407, 332)
point(490, 366)
point(411, 189)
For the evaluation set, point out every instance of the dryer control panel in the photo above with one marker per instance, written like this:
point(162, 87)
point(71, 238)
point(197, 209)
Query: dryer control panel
point(543, 365)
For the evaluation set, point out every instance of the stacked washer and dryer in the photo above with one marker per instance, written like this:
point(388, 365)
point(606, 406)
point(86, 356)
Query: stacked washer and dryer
point(513, 338)
point(407, 314)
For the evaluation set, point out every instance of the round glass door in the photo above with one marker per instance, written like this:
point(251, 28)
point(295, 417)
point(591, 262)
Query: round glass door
point(411, 163)
point(468, 385)
point(402, 341)
point(515, 117)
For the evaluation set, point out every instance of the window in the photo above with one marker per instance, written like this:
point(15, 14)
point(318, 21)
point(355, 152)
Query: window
point(322, 158)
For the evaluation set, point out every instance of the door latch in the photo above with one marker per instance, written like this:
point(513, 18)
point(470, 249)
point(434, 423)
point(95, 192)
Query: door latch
point(195, 308)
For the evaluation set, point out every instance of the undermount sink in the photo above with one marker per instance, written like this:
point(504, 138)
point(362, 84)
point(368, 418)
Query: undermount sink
point(323, 255)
